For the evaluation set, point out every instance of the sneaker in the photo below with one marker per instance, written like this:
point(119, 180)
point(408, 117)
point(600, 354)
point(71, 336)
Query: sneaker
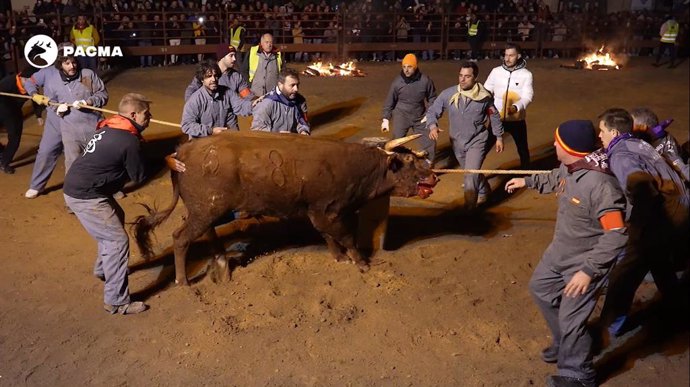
point(119, 195)
point(131, 308)
point(31, 193)
point(565, 381)
point(7, 169)
point(550, 354)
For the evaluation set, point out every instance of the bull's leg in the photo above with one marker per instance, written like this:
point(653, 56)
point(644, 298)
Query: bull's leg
point(183, 237)
point(335, 248)
point(342, 230)
point(218, 267)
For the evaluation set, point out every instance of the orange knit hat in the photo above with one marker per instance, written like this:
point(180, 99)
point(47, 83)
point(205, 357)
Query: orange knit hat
point(410, 60)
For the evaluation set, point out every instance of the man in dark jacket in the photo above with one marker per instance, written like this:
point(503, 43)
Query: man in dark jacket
point(11, 115)
point(589, 234)
point(112, 157)
point(408, 97)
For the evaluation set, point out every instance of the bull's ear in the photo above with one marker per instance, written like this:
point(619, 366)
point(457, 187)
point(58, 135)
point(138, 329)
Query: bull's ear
point(394, 162)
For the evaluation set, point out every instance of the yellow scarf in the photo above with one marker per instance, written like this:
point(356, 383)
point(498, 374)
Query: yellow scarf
point(476, 93)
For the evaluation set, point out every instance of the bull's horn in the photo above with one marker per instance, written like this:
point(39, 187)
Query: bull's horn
point(392, 144)
point(420, 154)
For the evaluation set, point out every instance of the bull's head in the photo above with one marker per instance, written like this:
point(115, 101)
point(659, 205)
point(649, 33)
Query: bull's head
point(410, 170)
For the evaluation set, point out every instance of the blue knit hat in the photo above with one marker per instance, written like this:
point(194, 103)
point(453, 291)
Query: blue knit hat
point(577, 137)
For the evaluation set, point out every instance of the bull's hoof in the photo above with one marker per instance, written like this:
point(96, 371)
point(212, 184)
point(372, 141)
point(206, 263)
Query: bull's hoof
point(363, 267)
point(181, 282)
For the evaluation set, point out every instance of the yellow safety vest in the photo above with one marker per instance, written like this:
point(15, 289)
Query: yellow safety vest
point(235, 34)
point(473, 29)
point(254, 61)
point(83, 38)
point(671, 33)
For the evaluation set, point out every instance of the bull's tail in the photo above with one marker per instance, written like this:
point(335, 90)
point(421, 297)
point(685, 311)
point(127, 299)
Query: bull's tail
point(144, 224)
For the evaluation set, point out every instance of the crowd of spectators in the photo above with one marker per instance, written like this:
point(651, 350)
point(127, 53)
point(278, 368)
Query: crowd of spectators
point(189, 22)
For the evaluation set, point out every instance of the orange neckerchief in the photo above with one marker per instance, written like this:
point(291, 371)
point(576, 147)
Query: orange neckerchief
point(121, 123)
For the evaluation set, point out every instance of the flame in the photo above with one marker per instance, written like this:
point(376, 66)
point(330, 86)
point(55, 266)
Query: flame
point(599, 60)
point(320, 69)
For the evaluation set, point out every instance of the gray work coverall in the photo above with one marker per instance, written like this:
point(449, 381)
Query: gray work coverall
point(204, 111)
point(468, 135)
point(230, 79)
point(278, 114)
point(406, 103)
point(579, 244)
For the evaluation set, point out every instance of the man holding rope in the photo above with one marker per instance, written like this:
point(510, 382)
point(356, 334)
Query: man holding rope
point(112, 157)
point(73, 88)
point(589, 235)
point(469, 106)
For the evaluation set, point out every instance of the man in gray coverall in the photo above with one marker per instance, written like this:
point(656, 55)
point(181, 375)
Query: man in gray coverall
point(229, 78)
point(469, 106)
point(588, 236)
point(213, 108)
point(406, 103)
point(283, 110)
point(69, 126)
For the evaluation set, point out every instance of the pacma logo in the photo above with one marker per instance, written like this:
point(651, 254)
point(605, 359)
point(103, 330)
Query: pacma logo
point(41, 51)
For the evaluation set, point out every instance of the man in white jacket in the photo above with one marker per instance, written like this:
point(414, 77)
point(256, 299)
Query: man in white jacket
point(511, 85)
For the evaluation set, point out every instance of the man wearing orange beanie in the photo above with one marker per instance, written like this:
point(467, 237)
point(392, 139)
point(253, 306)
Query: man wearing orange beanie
point(407, 100)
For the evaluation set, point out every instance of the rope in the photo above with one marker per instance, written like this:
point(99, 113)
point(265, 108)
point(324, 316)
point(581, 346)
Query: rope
point(491, 171)
point(91, 108)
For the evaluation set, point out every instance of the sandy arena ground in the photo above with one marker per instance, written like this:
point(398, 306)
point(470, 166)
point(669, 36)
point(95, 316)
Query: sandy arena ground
point(445, 305)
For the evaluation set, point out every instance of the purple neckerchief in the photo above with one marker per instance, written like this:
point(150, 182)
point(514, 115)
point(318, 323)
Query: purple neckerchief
point(616, 140)
point(595, 161)
point(280, 98)
point(659, 131)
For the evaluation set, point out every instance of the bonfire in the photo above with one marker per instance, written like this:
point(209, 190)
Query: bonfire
point(599, 60)
point(320, 69)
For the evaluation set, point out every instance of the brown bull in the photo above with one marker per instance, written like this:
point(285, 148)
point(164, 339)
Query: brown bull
point(283, 176)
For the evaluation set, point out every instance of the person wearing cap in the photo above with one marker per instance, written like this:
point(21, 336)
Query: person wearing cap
point(589, 234)
point(469, 107)
point(646, 126)
point(71, 123)
point(284, 109)
point(11, 115)
point(657, 218)
point(406, 103)
point(213, 108)
point(511, 85)
point(264, 63)
point(229, 78)
point(667, 40)
point(113, 157)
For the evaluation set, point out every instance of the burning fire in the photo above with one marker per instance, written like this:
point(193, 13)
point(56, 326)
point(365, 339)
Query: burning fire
point(600, 60)
point(320, 69)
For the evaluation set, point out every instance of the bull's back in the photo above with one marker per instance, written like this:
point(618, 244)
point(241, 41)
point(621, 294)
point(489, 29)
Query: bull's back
point(277, 174)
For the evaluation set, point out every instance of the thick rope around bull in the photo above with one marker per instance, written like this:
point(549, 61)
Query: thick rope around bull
point(81, 106)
